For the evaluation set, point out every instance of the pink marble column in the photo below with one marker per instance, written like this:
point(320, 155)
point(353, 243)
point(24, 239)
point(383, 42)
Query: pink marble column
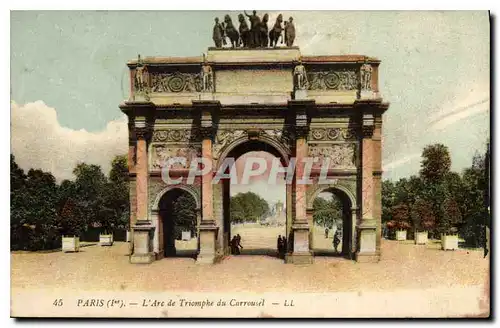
point(367, 230)
point(300, 189)
point(206, 183)
point(141, 183)
point(367, 179)
point(377, 175)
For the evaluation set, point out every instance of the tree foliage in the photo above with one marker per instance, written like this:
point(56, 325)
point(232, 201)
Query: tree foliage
point(439, 200)
point(248, 207)
point(327, 213)
point(41, 210)
point(436, 163)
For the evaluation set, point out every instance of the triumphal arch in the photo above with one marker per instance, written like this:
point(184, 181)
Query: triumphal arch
point(231, 101)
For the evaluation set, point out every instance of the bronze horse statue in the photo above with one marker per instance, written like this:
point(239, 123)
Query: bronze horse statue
point(263, 30)
point(276, 32)
point(231, 32)
point(244, 31)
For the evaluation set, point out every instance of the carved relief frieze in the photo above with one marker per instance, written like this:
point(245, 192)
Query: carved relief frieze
point(340, 156)
point(340, 79)
point(223, 138)
point(332, 134)
point(177, 135)
point(284, 136)
point(162, 153)
point(176, 82)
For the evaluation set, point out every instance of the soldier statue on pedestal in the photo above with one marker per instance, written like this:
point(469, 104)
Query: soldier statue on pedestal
point(289, 32)
point(207, 76)
point(255, 28)
point(218, 33)
point(300, 76)
point(141, 78)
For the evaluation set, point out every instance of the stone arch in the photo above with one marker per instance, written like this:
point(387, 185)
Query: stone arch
point(282, 151)
point(346, 196)
point(188, 189)
point(338, 187)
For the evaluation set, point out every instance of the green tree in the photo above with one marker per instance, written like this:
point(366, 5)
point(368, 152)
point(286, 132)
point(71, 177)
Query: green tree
point(184, 214)
point(401, 216)
point(19, 227)
point(422, 215)
point(436, 163)
point(90, 190)
point(452, 216)
point(41, 217)
point(327, 213)
point(388, 198)
point(248, 207)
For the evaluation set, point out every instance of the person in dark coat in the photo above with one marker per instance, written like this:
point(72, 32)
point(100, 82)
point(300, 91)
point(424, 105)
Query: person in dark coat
point(326, 232)
point(234, 246)
point(336, 240)
point(280, 246)
point(238, 239)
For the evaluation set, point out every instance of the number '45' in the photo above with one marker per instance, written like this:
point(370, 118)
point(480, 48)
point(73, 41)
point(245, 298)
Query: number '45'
point(58, 302)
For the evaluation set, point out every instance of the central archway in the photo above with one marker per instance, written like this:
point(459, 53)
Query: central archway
point(278, 220)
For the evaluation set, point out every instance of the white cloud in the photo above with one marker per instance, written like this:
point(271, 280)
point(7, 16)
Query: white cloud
point(39, 141)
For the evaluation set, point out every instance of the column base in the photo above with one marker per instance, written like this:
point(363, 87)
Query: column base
point(142, 249)
point(207, 235)
point(142, 258)
point(367, 257)
point(300, 258)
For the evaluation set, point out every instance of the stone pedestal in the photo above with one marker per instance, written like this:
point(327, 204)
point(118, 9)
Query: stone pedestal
point(208, 233)
point(367, 236)
point(301, 252)
point(143, 243)
point(300, 94)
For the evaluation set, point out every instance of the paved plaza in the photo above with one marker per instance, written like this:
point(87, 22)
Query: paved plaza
point(403, 265)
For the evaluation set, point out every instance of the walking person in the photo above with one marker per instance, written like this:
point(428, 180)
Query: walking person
point(280, 246)
point(326, 232)
point(238, 242)
point(336, 240)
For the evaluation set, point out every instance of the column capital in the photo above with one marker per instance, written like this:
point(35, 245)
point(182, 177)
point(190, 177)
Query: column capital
point(368, 125)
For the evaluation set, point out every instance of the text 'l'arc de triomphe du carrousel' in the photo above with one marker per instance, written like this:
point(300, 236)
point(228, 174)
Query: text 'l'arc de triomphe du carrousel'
point(255, 91)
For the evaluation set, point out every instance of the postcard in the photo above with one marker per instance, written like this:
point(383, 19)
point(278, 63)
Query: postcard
point(250, 164)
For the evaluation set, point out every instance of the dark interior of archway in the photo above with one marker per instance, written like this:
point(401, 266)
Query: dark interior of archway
point(177, 211)
point(327, 241)
point(238, 151)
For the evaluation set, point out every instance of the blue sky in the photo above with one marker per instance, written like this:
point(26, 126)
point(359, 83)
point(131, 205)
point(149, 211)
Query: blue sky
point(68, 75)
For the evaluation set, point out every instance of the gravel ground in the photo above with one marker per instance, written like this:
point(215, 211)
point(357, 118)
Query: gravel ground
point(403, 265)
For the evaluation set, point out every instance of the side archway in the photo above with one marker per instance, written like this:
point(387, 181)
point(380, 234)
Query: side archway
point(164, 234)
point(349, 215)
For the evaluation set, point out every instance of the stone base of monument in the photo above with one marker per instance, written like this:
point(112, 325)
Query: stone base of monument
point(142, 243)
point(142, 258)
point(372, 257)
point(301, 253)
point(207, 254)
point(368, 242)
point(299, 258)
point(300, 94)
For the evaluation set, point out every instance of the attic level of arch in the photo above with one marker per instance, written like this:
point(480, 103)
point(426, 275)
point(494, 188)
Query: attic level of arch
point(237, 73)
